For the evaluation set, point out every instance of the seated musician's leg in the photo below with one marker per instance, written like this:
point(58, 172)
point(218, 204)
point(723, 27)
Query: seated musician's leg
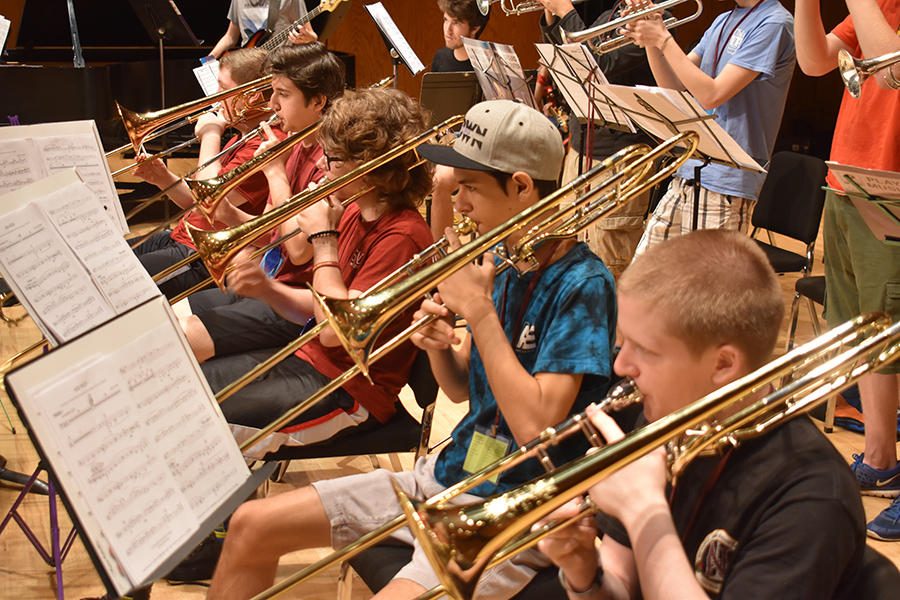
point(259, 533)
point(198, 337)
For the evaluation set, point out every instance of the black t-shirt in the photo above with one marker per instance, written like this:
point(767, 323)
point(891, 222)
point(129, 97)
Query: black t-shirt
point(783, 519)
point(445, 62)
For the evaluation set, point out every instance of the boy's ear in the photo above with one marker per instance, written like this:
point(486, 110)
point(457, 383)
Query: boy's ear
point(729, 365)
point(524, 186)
point(318, 102)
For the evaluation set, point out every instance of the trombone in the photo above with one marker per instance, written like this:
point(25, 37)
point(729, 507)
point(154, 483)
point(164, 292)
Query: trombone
point(218, 248)
point(594, 36)
point(461, 541)
point(855, 71)
point(514, 8)
point(358, 322)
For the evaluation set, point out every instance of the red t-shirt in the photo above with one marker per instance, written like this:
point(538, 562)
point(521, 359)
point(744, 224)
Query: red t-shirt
point(369, 252)
point(302, 170)
point(865, 134)
point(255, 189)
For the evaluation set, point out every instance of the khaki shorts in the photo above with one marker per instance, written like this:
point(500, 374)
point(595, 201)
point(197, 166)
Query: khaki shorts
point(358, 504)
point(862, 273)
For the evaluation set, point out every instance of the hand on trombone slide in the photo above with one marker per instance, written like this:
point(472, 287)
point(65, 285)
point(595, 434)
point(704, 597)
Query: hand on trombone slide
point(212, 123)
point(153, 171)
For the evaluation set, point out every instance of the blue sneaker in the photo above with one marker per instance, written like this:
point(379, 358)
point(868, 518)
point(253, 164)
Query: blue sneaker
point(886, 526)
point(875, 482)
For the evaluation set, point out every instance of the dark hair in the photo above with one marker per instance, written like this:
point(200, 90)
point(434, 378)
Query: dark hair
point(467, 12)
point(244, 65)
point(310, 67)
point(543, 187)
point(364, 124)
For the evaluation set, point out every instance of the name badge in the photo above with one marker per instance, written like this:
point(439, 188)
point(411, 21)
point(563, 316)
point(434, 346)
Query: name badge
point(485, 449)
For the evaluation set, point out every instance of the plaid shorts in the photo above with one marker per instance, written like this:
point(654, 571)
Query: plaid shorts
point(675, 213)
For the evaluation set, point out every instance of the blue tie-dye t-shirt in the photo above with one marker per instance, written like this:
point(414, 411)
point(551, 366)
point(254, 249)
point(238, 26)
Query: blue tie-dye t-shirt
point(568, 327)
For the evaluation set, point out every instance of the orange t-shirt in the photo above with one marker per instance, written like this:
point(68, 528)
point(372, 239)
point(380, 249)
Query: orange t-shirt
point(865, 134)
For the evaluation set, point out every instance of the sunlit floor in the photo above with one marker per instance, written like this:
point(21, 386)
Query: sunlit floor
point(25, 575)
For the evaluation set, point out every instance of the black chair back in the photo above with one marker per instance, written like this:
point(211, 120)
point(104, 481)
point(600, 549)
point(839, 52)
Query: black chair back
point(791, 199)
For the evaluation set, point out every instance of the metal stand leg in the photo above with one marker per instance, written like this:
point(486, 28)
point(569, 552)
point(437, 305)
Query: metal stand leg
point(59, 553)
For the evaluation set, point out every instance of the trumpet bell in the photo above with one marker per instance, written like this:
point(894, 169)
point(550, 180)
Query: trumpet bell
point(849, 73)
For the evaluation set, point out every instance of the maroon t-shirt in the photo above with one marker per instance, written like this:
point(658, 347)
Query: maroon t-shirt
point(369, 252)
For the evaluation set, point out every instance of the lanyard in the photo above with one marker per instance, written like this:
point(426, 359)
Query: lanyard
point(720, 49)
point(713, 478)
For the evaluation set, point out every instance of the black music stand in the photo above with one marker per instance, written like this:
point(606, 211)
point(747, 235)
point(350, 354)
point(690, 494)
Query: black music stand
point(450, 93)
point(163, 22)
point(396, 43)
point(499, 71)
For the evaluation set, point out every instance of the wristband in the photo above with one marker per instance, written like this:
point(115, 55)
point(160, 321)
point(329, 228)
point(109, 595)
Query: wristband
point(326, 263)
point(662, 47)
point(542, 80)
point(323, 233)
point(594, 588)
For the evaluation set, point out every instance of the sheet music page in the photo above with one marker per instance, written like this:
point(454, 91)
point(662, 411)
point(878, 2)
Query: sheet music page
point(515, 75)
point(20, 165)
point(78, 216)
point(576, 73)
point(490, 76)
point(82, 152)
point(884, 185)
point(139, 434)
point(389, 28)
point(4, 32)
point(207, 75)
point(51, 279)
point(654, 108)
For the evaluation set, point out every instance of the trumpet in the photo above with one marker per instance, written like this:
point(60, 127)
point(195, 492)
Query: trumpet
point(594, 36)
point(460, 541)
point(514, 8)
point(855, 71)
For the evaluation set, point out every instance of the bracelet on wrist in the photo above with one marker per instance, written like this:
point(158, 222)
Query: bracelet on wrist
point(594, 587)
point(326, 263)
point(542, 80)
point(662, 47)
point(325, 232)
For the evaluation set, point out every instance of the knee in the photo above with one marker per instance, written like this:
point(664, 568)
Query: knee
point(246, 532)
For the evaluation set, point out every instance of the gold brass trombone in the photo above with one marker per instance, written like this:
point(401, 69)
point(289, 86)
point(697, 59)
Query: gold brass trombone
point(593, 36)
point(139, 126)
point(460, 541)
point(358, 322)
point(514, 8)
point(855, 71)
point(218, 248)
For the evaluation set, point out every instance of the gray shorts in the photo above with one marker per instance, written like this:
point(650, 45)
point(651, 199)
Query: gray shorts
point(358, 504)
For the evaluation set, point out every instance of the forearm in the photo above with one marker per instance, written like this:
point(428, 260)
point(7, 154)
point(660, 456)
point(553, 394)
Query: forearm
point(298, 248)
point(663, 72)
point(662, 564)
point(279, 185)
point(876, 38)
point(293, 303)
point(518, 393)
point(327, 281)
point(813, 53)
point(451, 371)
point(231, 37)
point(210, 145)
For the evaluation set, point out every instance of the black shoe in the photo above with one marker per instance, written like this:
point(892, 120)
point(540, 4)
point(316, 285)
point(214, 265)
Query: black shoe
point(141, 593)
point(200, 563)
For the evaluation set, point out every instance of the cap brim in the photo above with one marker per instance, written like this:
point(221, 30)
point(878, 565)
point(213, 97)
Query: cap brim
point(447, 155)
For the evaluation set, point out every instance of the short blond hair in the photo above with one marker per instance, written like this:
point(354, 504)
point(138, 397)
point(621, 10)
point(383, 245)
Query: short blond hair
point(711, 287)
point(245, 64)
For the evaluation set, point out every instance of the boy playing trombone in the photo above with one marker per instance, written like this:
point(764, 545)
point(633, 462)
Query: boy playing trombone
point(539, 347)
point(696, 313)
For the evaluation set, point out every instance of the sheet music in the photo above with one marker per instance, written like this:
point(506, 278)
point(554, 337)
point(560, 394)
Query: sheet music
point(138, 433)
point(80, 151)
point(207, 75)
point(576, 73)
point(4, 32)
point(392, 32)
point(80, 219)
point(663, 113)
point(20, 165)
point(884, 185)
point(49, 274)
point(499, 71)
